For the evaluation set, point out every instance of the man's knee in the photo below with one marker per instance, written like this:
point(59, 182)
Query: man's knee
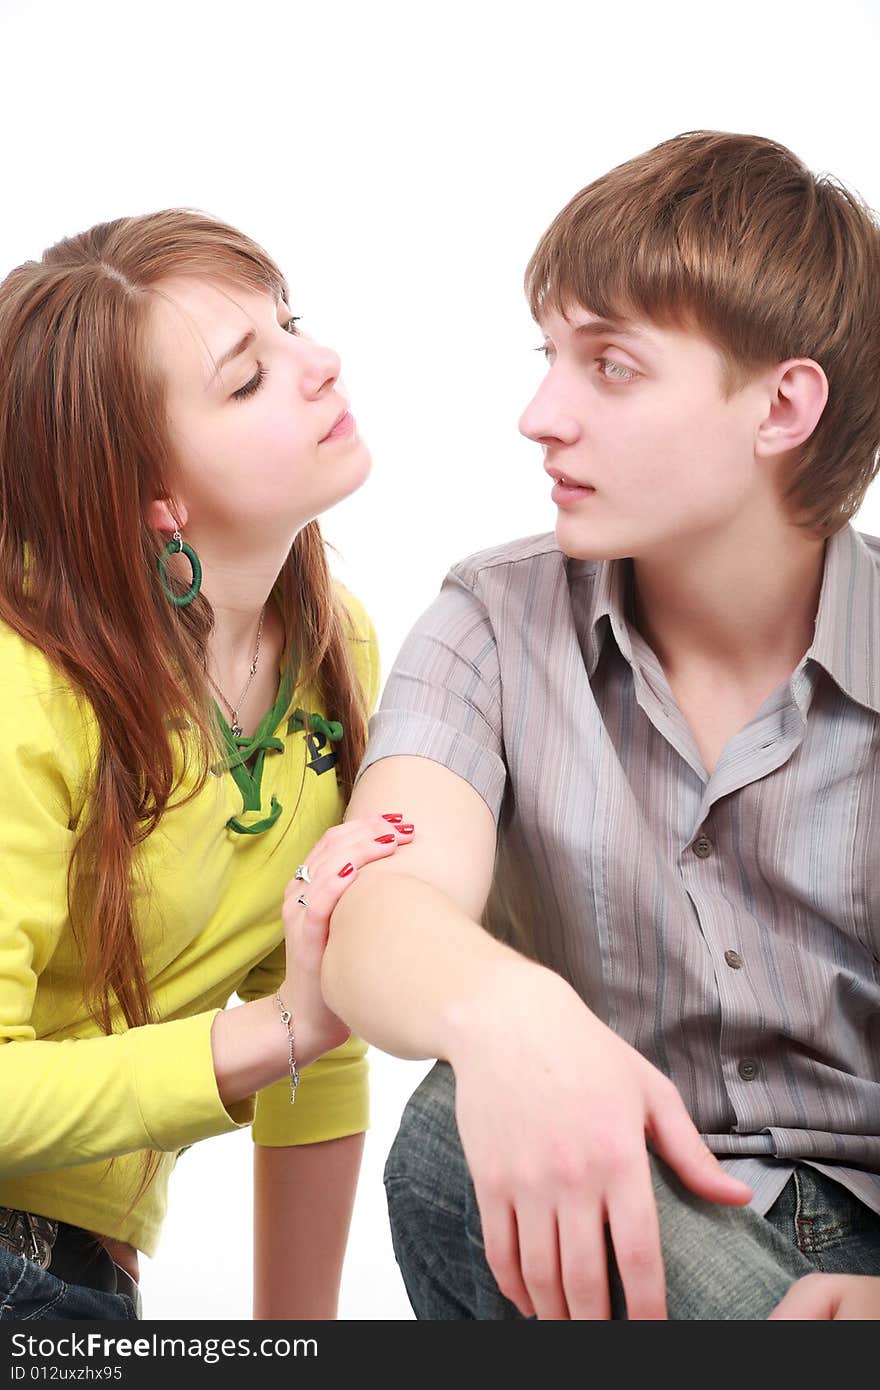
point(721, 1262)
point(432, 1206)
point(426, 1156)
point(429, 1196)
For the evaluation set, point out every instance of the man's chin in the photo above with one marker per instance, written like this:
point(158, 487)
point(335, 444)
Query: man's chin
point(587, 543)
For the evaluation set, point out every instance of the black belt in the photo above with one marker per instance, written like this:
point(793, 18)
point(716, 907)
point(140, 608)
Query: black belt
point(71, 1253)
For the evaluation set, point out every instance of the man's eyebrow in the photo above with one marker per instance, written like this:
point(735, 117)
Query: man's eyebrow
point(598, 328)
point(241, 346)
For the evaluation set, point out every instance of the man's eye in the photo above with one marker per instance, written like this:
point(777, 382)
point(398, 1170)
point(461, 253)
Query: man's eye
point(614, 371)
point(251, 386)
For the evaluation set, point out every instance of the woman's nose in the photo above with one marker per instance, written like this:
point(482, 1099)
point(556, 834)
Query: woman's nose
point(320, 370)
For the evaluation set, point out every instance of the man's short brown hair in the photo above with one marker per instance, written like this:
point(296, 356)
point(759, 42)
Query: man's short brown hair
point(733, 237)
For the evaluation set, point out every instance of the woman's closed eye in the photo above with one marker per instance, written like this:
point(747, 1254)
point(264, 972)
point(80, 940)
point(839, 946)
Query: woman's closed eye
point(260, 374)
point(251, 386)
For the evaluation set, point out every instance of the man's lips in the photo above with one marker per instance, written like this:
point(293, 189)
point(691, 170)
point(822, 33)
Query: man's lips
point(566, 479)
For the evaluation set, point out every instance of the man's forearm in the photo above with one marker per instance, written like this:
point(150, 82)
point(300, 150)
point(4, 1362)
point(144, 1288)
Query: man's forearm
point(409, 971)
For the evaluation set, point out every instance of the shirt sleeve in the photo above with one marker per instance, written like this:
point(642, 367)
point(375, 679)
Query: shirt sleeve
point(442, 699)
point(71, 1100)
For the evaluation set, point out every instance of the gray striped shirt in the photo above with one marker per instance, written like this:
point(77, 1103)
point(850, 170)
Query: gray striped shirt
point(727, 926)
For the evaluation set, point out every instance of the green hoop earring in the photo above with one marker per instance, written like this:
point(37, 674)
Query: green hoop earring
point(180, 600)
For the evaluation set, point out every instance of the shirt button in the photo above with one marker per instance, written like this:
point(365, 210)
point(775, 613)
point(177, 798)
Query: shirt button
point(734, 959)
point(702, 847)
point(747, 1068)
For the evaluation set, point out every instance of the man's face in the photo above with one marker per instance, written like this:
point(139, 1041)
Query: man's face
point(634, 418)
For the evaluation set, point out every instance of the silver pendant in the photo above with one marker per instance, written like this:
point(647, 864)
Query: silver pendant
point(236, 731)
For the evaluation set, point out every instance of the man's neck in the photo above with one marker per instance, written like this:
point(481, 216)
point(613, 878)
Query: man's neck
point(734, 606)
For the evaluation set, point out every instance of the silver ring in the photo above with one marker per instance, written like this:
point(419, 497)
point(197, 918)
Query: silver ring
point(303, 874)
point(303, 902)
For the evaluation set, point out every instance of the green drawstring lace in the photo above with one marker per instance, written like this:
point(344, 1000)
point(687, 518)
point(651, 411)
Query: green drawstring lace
point(265, 824)
point(331, 729)
point(240, 751)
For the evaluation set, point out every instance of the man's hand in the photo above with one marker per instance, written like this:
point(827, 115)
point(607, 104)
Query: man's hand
point(818, 1297)
point(555, 1111)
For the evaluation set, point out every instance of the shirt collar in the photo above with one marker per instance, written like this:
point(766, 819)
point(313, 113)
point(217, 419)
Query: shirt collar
point(610, 584)
point(846, 638)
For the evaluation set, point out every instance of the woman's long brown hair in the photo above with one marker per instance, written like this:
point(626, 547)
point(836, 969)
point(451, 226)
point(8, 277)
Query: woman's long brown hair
point(84, 449)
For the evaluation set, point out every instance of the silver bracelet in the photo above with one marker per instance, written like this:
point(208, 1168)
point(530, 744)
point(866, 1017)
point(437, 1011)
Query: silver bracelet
point(286, 1017)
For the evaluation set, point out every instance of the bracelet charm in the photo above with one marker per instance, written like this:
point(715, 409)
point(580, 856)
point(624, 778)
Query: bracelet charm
point(286, 1019)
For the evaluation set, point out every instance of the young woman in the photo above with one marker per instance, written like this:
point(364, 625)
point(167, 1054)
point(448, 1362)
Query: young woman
point(184, 697)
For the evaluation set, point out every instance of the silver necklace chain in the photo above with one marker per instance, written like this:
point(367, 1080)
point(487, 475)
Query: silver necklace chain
point(235, 727)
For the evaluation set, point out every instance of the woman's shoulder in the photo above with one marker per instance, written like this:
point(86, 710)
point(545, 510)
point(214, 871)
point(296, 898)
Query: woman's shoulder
point(362, 640)
point(39, 701)
point(24, 667)
point(359, 619)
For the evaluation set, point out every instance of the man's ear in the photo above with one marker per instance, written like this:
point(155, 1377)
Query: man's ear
point(798, 393)
point(160, 516)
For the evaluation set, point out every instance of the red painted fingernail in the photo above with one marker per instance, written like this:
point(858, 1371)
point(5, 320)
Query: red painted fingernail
point(346, 870)
point(385, 839)
point(394, 816)
point(406, 829)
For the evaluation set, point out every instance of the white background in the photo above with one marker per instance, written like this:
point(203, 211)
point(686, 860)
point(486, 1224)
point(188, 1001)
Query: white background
point(399, 160)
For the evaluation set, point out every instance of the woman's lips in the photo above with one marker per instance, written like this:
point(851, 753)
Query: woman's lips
point(344, 425)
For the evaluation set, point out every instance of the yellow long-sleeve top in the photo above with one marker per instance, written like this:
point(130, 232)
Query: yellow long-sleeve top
point(208, 889)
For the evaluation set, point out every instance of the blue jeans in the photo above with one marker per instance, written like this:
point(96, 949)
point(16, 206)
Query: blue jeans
point(26, 1291)
point(721, 1262)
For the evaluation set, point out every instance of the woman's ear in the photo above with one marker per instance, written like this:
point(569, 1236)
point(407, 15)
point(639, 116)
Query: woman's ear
point(798, 395)
point(160, 515)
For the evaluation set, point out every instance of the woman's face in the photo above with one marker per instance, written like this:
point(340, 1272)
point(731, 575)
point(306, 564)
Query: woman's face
point(250, 404)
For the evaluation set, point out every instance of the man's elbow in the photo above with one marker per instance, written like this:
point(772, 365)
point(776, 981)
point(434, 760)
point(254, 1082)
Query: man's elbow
point(347, 925)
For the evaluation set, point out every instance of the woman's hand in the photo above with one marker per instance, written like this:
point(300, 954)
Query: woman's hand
point(333, 865)
point(555, 1111)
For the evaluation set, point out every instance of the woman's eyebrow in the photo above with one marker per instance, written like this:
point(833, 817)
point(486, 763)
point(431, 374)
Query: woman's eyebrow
point(241, 346)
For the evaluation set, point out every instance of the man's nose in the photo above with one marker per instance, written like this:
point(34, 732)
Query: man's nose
point(547, 418)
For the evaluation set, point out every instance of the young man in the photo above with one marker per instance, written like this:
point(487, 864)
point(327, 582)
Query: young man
point(642, 760)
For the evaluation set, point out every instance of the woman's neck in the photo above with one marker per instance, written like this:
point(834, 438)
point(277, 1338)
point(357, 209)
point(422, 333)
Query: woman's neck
point(235, 675)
